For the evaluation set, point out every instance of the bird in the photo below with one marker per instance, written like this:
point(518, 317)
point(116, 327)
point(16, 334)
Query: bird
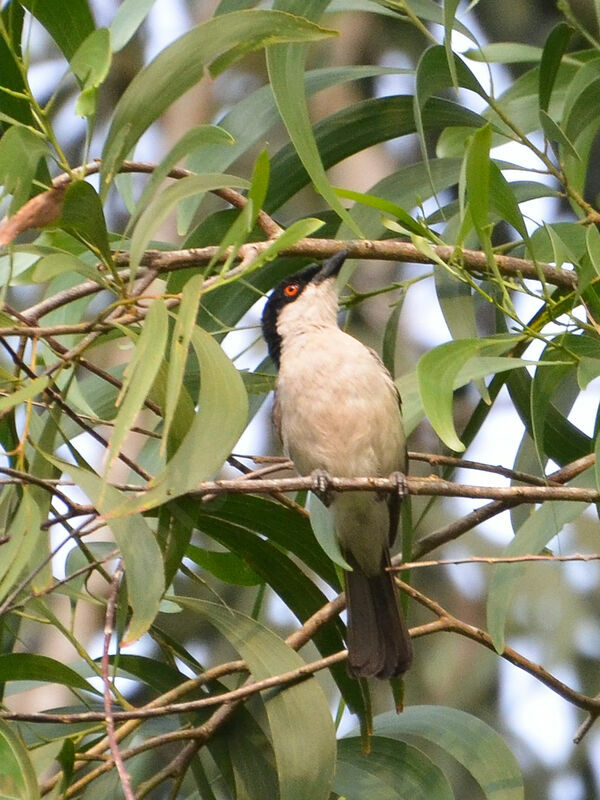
point(338, 414)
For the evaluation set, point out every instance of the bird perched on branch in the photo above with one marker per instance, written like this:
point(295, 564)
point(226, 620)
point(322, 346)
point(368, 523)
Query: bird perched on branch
point(337, 411)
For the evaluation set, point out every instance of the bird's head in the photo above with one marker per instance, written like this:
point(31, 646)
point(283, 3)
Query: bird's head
point(302, 301)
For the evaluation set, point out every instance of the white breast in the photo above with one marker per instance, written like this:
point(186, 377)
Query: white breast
point(337, 406)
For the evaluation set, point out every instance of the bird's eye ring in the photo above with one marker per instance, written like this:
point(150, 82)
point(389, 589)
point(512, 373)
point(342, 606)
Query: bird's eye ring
point(291, 290)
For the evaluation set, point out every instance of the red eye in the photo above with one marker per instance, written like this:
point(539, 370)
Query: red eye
point(291, 290)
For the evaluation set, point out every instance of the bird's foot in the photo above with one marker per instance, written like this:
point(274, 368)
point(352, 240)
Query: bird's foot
point(400, 483)
point(322, 485)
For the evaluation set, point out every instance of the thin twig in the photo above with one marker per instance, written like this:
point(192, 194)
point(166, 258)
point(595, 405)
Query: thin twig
point(444, 562)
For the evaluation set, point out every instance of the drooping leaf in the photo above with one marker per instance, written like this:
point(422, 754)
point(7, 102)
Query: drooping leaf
point(533, 535)
point(139, 376)
point(137, 544)
point(180, 65)
point(34, 667)
point(299, 717)
point(90, 65)
point(18, 780)
point(127, 19)
point(470, 741)
point(161, 206)
point(67, 23)
point(554, 49)
point(83, 217)
point(21, 151)
point(392, 770)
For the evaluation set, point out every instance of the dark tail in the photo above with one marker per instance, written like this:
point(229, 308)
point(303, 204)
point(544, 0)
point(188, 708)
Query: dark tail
point(378, 641)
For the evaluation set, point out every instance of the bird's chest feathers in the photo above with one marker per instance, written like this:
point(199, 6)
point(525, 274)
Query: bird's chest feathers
point(336, 407)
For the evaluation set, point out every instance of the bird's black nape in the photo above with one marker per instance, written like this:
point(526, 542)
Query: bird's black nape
point(281, 296)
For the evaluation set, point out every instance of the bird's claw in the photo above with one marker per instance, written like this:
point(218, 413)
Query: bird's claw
point(400, 483)
point(322, 485)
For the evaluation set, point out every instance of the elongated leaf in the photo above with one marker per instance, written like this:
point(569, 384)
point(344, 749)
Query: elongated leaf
point(18, 780)
point(67, 23)
point(251, 118)
point(437, 371)
point(192, 140)
point(535, 533)
point(33, 667)
point(505, 53)
point(299, 716)
point(351, 130)
point(159, 209)
point(183, 63)
point(544, 384)
point(139, 550)
point(220, 420)
point(90, 64)
point(450, 7)
point(392, 770)
point(478, 178)
point(29, 391)
point(228, 567)
point(82, 216)
point(139, 376)
point(386, 207)
point(20, 153)
point(128, 18)
point(23, 532)
point(470, 741)
point(286, 65)
point(554, 49)
point(182, 334)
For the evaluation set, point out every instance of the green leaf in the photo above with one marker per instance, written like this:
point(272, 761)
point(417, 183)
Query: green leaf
point(555, 133)
point(505, 53)
point(180, 343)
point(480, 750)
point(218, 424)
point(299, 717)
point(392, 770)
point(227, 567)
point(478, 177)
point(90, 65)
point(554, 49)
point(580, 102)
point(321, 521)
point(18, 780)
point(386, 207)
point(55, 264)
point(20, 153)
point(450, 7)
point(286, 65)
point(351, 130)
point(300, 229)
point(32, 667)
point(23, 531)
point(82, 216)
point(544, 384)
point(67, 23)
point(196, 138)
point(137, 543)
point(128, 18)
point(183, 63)
point(250, 119)
point(139, 376)
point(159, 209)
point(535, 533)
point(29, 391)
point(437, 372)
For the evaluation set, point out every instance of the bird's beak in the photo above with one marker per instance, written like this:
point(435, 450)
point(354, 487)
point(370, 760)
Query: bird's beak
point(332, 266)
